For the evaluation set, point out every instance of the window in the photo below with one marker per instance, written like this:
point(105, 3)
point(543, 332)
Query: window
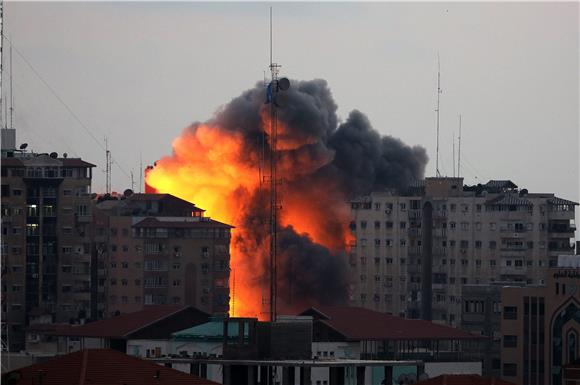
point(124, 282)
point(510, 312)
point(125, 265)
point(403, 225)
point(389, 225)
point(363, 224)
point(510, 370)
point(478, 208)
point(452, 225)
point(113, 281)
point(125, 248)
point(464, 225)
point(377, 242)
point(492, 226)
point(403, 206)
point(478, 244)
point(377, 224)
point(403, 242)
point(388, 242)
point(492, 263)
point(510, 341)
point(492, 245)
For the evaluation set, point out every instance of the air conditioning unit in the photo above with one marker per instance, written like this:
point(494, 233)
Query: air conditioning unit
point(516, 235)
point(79, 249)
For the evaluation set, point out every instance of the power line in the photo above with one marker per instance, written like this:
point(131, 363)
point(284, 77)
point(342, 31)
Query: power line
point(69, 110)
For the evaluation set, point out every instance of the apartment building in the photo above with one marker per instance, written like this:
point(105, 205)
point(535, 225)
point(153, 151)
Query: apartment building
point(46, 258)
point(157, 249)
point(541, 328)
point(415, 249)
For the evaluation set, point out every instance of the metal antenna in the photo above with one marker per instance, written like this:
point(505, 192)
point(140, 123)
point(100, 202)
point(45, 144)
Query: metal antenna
point(459, 150)
point(2, 117)
point(132, 182)
point(438, 174)
point(454, 154)
point(107, 167)
point(141, 171)
point(11, 92)
point(273, 183)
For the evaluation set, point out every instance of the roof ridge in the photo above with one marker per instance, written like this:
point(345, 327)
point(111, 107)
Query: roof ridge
point(157, 319)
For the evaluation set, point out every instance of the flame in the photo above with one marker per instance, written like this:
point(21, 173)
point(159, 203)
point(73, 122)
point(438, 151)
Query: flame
point(214, 168)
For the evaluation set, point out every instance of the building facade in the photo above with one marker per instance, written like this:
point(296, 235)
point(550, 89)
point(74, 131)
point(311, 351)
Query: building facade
point(157, 249)
point(46, 247)
point(461, 235)
point(541, 328)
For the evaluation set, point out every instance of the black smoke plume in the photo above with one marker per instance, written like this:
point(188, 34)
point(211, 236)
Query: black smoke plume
point(323, 164)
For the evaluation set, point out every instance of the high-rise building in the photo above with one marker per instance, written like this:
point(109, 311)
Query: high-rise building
point(540, 328)
point(154, 249)
point(46, 249)
point(415, 249)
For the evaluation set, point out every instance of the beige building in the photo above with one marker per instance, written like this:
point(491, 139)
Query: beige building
point(541, 328)
point(467, 234)
point(156, 249)
point(46, 258)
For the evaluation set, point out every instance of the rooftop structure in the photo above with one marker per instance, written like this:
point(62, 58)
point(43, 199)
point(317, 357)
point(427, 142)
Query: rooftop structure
point(100, 367)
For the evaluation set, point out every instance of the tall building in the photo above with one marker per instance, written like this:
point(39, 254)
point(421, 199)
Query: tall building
point(541, 328)
point(46, 249)
point(156, 249)
point(415, 249)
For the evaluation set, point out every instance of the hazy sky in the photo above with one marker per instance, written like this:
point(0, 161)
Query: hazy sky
point(140, 72)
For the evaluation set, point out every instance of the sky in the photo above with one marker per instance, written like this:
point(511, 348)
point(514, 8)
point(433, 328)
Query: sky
point(139, 72)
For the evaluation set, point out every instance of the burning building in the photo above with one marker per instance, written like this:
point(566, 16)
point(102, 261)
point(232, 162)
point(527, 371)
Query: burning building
point(219, 165)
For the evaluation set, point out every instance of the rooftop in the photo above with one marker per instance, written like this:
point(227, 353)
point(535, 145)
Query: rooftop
point(359, 324)
point(124, 325)
point(212, 330)
point(100, 367)
point(179, 223)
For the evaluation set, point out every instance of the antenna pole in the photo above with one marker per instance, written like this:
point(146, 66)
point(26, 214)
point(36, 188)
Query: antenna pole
point(459, 150)
point(437, 173)
point(107, 167)
point(454, 154)
point(11, 93)
point(141, 171)
point(1, 60)
point(132, 182)
point(273, 186)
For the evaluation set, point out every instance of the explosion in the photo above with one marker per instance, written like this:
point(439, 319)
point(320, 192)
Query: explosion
point(218, 165)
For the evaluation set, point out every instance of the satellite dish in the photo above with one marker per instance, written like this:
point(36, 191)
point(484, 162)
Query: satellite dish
point(128, 192)
point(23, 146)
point(65, 155)
point(283, 84)
point(53, 155)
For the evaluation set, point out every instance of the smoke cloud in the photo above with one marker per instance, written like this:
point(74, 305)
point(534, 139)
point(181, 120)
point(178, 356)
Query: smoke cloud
point(322, 163)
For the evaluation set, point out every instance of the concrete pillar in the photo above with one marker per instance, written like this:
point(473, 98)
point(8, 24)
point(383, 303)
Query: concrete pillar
point(305, 376)
point(227, 375)
point(388, 375)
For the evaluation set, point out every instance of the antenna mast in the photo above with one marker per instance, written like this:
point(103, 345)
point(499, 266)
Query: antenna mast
point(459, 150)
point(141, 171)
point(437, 173)
point(274, 69)
point(1, 60)
point(454, 154)
point(107, 167)
point(11, 92)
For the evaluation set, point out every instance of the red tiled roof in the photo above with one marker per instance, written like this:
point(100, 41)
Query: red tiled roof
point(356, 323)
point(154, 222)
point(158, 197)
point(463, 379)
point(124, 324)
point(101, 367)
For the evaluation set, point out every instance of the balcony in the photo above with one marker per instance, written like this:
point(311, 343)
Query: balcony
point(86, 218)
point(513, 270)
point(560, 247)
